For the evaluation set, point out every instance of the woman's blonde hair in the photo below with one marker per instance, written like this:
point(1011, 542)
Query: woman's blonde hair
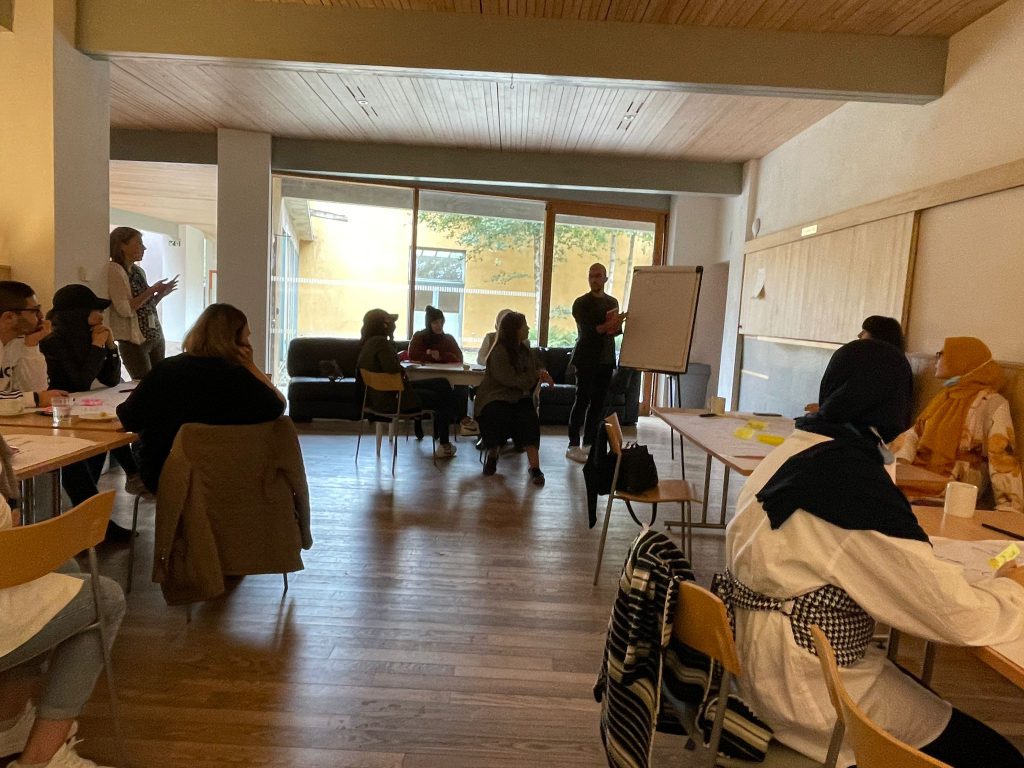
point(217, 332)
point(120, 236)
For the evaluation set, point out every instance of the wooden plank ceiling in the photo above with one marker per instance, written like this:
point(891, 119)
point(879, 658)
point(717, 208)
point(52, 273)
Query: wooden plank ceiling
point(488, 112)
point(498, 114)
point(940, 18)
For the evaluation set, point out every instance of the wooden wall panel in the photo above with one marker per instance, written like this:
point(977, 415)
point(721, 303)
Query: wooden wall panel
point(821, 288)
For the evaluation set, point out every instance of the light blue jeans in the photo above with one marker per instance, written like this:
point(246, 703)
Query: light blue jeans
point(77, 656)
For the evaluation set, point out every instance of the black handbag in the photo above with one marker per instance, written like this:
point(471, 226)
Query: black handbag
point(637, 470)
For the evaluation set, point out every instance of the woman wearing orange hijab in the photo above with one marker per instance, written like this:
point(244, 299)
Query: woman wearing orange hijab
point(965, 432)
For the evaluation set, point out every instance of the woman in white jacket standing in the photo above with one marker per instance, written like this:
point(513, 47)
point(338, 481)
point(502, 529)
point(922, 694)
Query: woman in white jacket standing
point(133, 319)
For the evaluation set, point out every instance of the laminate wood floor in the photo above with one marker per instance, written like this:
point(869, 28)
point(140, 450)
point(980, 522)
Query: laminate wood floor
point(444, 620)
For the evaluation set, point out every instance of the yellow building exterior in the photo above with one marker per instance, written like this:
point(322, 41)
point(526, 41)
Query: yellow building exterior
point(359, 259)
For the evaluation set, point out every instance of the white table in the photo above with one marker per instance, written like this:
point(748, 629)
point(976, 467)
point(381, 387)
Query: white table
point(457, 374)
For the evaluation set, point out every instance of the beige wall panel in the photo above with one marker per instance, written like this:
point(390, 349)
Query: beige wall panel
point(821, 288)
point(969, 274)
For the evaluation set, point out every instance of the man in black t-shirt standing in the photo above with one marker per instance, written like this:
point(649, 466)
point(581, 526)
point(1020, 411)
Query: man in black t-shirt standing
point(598, 322)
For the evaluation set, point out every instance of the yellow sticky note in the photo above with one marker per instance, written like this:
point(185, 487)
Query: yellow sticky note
point(771, 439)
point(744, 433)
point(1008, 554)
point(754, 424)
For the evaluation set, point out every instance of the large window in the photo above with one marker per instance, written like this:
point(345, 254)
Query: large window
point(584, 240)
point(341, 248)
point(352, 254)
point(499, 246)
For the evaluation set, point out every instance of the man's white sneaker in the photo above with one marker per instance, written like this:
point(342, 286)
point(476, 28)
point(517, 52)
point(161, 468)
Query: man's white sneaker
point(576, 453)
point(469, 427)
point(12, 741)
point(444, 451)
point(66, 757)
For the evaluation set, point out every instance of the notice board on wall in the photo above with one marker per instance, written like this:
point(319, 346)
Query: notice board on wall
point(662, 306)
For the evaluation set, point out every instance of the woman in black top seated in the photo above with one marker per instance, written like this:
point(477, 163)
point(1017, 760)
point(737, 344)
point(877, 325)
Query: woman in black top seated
point(80, 353)
point(213, 381)
point(504, 399)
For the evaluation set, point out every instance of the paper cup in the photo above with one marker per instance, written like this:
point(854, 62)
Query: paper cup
point(716, 405)
point(961, 499)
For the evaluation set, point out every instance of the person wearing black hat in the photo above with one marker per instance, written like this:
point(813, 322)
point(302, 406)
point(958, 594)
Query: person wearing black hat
point(80, 353)
point(823, 536)
point(81, 349)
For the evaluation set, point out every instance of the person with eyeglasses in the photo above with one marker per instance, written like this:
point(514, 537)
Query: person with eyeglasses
point(22, 365)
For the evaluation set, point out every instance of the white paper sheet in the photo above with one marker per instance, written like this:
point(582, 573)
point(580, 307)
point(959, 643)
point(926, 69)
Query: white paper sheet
point(972, 555)
point(30, 450)
point(109, 397)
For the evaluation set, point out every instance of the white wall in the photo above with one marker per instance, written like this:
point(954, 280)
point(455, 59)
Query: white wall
point(694, 239)
point(81, 157)
point(243, 229)
point(865, 152)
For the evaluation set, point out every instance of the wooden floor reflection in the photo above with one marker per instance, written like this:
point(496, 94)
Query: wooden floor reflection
point(444, 620)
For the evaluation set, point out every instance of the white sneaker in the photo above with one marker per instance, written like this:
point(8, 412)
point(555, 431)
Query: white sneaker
point(576, 453)
point(444, 451)
point(469, 427)
point(12, 741)
point(66, 757)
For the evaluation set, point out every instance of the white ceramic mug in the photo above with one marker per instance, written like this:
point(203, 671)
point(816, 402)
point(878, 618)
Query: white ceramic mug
point(716, 405)
point(10, 404)
point(961, 499)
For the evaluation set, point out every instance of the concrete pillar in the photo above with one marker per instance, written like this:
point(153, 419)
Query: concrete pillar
point(54, 149)
point(243, 229)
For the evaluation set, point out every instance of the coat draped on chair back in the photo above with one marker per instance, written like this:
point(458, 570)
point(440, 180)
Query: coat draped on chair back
point(232, 501)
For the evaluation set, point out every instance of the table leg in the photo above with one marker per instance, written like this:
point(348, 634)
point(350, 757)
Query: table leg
point(894, 645)
point(707, 491)
point(55, 493)
point(929, 663)
point(725, 495)
point(28, 512)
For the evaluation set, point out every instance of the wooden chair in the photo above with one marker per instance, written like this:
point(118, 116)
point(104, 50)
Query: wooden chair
point(873, 746)
point(702, 623)
point(233, 501)
point(678, 491)
point(389, 382)
point(30, 552)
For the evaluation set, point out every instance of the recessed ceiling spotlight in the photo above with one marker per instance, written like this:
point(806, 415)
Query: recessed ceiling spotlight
point(628, 117)
point(362, 102)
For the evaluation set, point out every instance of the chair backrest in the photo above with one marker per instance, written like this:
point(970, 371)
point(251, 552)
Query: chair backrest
point(611, 423)
point(238, 496)
point(873, 746)
point(32, 551)
point(382, 382)
point(702, 623)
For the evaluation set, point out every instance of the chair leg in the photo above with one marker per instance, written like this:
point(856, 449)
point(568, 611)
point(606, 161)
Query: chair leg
point(359, 438)
point(131, 545)
point(380, 436)
point(604, 535)
point(285, 575)
point(105, 642)
point(716, 729)
point(394, 450)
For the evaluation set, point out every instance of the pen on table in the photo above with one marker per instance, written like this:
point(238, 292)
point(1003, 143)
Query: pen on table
point(1018, 536)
